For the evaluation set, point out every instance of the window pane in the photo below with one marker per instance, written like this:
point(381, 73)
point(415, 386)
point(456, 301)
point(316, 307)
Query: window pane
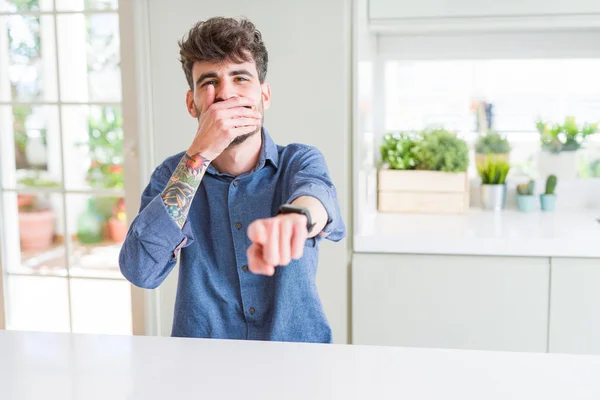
point(101, 306)
point(510, 94)
point(38, 247)
point(89, 55)
point(93, 138)
point(98, 227)
point(80, 5)
point(37, 303)
point(25, 5)
point(28, 53)
point(420, 93)
point(30, 143)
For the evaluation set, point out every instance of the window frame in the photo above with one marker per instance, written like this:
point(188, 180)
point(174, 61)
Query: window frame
point(129, 22)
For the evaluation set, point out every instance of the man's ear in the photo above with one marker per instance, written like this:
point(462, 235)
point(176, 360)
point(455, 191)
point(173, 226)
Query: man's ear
point(266, 95)
point(189, 102)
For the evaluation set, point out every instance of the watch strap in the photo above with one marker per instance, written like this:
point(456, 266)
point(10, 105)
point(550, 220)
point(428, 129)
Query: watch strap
point(292, 209)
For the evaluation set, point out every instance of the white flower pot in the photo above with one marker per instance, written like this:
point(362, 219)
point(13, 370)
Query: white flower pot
point(564, 164)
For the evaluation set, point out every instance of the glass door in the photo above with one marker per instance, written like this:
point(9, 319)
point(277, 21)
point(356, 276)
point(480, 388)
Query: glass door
point(62, 207)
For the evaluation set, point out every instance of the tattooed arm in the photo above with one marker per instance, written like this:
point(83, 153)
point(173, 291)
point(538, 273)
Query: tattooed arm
point(180, 191)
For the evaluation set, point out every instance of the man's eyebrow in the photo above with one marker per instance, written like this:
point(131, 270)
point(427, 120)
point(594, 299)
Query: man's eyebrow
point(206, 75)
point(241, 72)
point(232, 73)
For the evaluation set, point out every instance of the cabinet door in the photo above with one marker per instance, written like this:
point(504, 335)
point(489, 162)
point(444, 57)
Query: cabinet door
point(575, 306)
point(463, 302)
point(390, 9)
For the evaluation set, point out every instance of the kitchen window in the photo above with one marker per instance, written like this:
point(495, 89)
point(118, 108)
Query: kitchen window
point(421, 93)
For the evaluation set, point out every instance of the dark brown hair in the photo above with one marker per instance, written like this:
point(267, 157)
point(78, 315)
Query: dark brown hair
point(223, 39)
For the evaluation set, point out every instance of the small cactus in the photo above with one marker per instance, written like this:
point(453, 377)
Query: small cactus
point(551, 184)
point(526, 189)
point(531, 187)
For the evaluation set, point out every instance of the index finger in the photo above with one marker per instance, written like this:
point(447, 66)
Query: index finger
point(234, 102)
point(210, 98)
point(257, 232)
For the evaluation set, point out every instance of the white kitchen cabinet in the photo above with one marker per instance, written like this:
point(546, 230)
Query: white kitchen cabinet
point(575, 306)
point(404, 9)
point(465, 302)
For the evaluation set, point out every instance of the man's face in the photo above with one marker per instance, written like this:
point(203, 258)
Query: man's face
point(229, 80)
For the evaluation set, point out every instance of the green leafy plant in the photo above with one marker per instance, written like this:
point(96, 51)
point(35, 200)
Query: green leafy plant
point(492, 143)
point(37, 181)
point(39, 202)
point(105, 145)
point(397, 151)
point(493, 172)
point(550, 184)
point(564, 137)
point(431, 149)
point(526, 189)
point(441, 150)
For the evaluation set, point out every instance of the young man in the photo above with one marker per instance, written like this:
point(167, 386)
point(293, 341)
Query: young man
point(244, 215)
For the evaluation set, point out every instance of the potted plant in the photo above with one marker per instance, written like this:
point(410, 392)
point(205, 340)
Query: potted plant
point(424, 172)
point(36, 215)
point(491, 146)
point(105, 145)
point(525, 196)
point(493, 184)
point(36, 225)
point(548, 198)
point(560, 145)
point(117, 224)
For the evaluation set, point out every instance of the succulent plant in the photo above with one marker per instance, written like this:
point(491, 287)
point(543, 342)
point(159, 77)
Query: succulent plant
point(567, 136)
point(526, 189)
point(550, 184)
point(492, 143)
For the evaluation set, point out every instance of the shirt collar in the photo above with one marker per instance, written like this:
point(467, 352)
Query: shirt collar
point(268, 152)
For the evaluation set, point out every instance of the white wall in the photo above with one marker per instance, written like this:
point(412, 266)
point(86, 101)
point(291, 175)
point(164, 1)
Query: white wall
point(309, 74)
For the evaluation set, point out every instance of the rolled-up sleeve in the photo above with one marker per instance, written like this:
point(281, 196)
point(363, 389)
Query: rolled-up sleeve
point(153, 241)
point(311, 178)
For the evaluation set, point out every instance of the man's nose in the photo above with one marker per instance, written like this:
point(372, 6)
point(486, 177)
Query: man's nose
point(225, 91)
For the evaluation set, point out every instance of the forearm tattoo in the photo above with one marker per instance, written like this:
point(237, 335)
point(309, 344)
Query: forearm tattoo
point(182, 186)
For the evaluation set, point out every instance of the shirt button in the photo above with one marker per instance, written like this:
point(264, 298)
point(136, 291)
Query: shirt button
point(235, 183)
point(245, 268)
point(252, 310)
point(238, 225)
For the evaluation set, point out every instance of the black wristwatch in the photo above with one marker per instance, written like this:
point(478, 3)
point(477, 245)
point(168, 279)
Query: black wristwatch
point(291, 209)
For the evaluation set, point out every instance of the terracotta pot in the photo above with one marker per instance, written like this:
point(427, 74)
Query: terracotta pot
point(117, 229)
point(36, 230)
point(25, 200)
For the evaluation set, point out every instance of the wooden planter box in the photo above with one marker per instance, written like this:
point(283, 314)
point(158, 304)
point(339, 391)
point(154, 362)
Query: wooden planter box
point(429, 192)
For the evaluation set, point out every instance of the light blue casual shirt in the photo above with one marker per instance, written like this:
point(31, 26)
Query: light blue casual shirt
point(217, 296)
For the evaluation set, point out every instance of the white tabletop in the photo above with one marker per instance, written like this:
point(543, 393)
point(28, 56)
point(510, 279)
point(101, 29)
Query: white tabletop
point(506, 233)
point(86, 367)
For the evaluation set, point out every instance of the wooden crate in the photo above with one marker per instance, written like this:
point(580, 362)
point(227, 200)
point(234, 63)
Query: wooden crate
point(430, 192)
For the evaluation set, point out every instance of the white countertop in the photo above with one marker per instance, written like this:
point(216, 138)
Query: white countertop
point(506, 233)
point(87, 367)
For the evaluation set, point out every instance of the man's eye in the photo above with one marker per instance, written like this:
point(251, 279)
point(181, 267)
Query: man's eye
point(209, 83)
point(241, 78)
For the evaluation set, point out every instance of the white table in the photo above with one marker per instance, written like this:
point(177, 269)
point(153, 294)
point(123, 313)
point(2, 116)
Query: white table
point(86, 367)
